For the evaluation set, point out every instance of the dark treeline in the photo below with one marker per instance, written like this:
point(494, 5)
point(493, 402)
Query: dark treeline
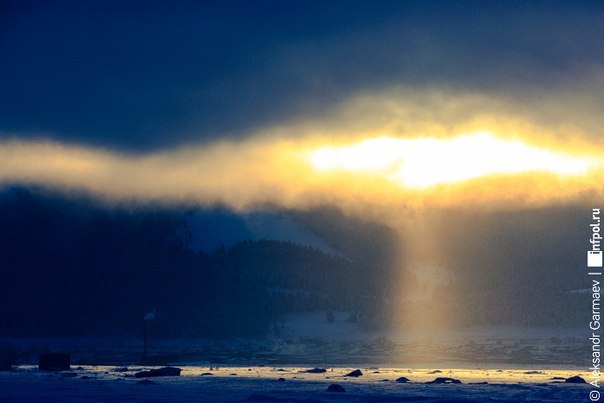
point(71, 268)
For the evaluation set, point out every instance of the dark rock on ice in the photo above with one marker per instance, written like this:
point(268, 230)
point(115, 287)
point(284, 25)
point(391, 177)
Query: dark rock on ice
point(445, 380)
point(575, 379)
point(281, 380)
point(207, 374)
point(402, 379)
point(315, 371)
point(355, 373)
point(165, 371)
point(334, 387)
point(436, 371)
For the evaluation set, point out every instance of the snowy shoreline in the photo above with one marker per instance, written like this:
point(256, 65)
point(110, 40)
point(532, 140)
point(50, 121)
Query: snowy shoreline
point(242, 383)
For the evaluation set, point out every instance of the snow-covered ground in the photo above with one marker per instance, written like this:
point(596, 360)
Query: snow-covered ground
point(231, 384)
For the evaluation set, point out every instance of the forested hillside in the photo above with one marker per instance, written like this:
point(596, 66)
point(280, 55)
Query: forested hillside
point(71, 268)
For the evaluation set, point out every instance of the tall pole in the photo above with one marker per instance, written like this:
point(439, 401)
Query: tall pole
point(149, 316)
point(144, 339)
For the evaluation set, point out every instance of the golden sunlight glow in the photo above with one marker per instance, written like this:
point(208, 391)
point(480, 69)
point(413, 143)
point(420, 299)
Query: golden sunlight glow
point(371, 177)
point(424, 162)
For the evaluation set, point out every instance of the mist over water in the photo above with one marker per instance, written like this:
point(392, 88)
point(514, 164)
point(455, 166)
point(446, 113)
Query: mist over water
point(468, 268)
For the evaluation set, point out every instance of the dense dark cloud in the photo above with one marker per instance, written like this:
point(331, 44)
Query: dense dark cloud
point(153, 74)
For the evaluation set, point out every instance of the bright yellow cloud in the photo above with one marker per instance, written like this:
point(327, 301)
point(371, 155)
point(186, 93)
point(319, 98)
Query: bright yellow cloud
point(424, 162)
point(372, 175)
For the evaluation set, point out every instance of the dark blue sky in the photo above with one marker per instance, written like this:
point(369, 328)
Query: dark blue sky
point(146, 75)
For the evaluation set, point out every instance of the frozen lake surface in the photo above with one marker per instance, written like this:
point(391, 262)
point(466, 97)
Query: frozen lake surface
point(291, 384)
